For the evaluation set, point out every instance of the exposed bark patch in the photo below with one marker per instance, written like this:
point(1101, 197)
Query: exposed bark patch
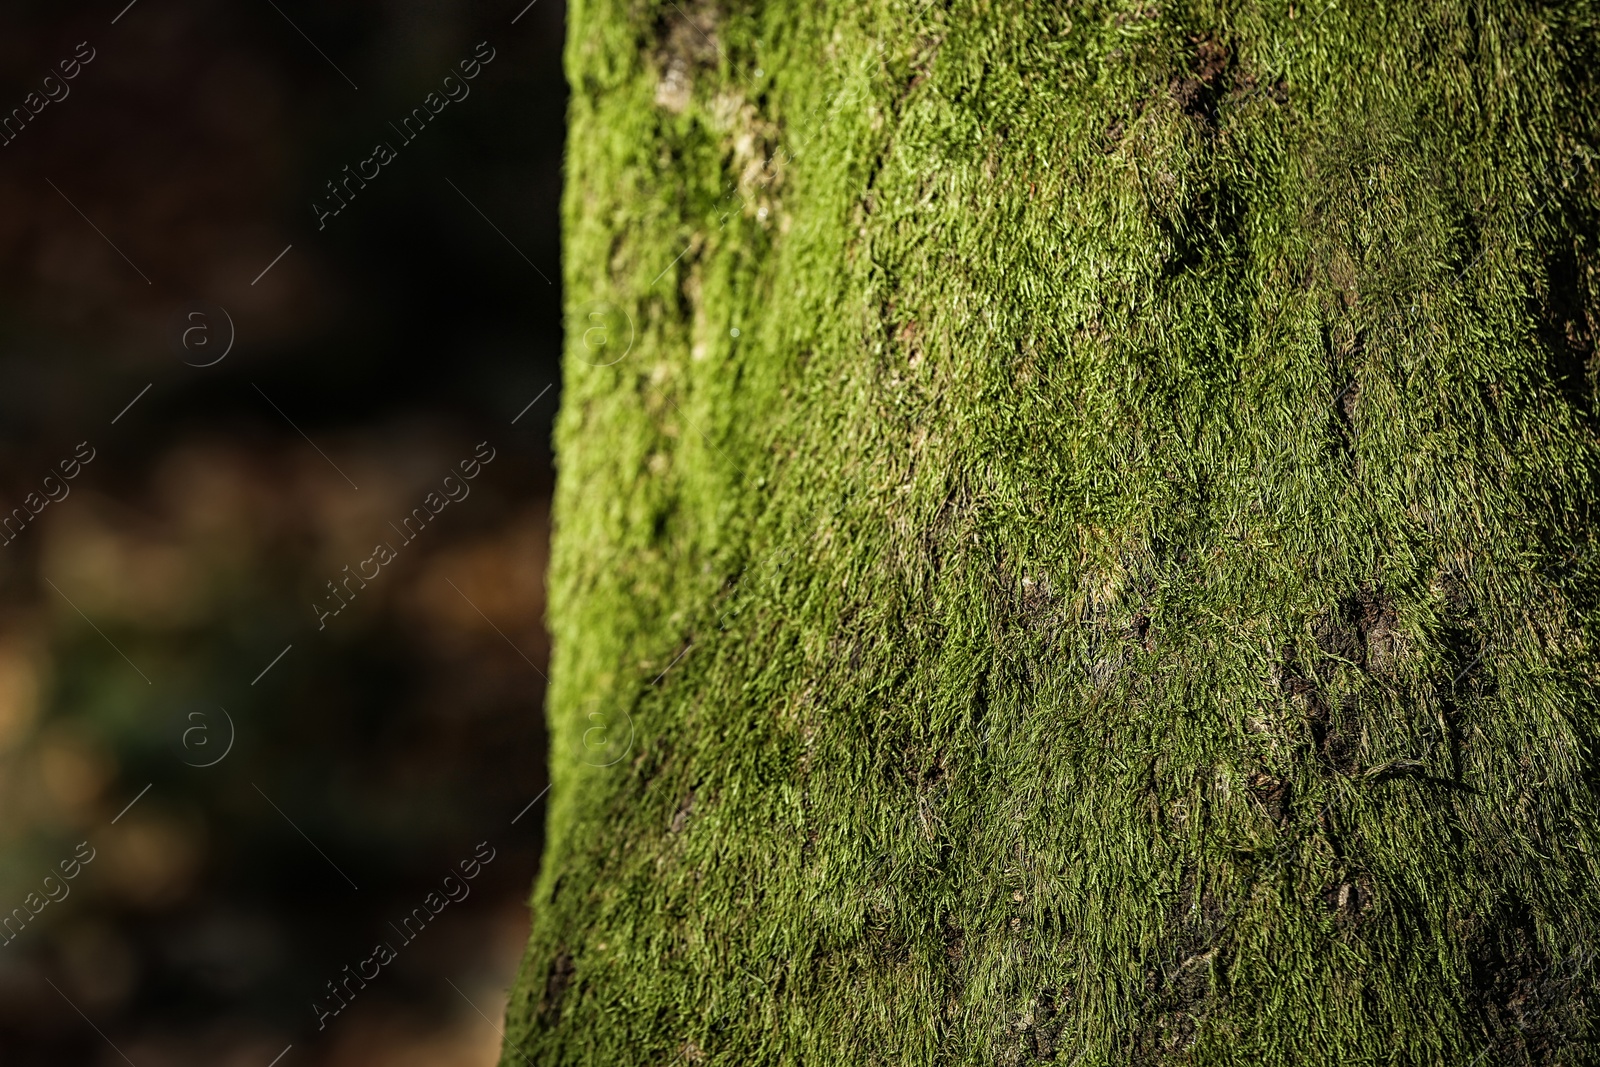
point(1246, 85)
point(557, 979)
point(1038, 597)
point(954, 939)
point(1335, 733)
point(980, 701)
point(1196, 93)
point(1139, 632)
point(925, 768)
point(1032, 604)
point(1349, 901)
point(885, 948)
point(1456, 594)
point(1568, 327)
point(753, 157)
point(1362, 629)
point(1211, 58)
point(1346, 402)
point(909, 337)
point(1179, 987)
point(1041, 1026)
point(1380, 633)
point(927, 48)
point(1172, 1023)
point(1273, 795)
point(686, 43)
point(903, 332)
point(1530, 1007)
point(1291, 681)
point(1342, 423)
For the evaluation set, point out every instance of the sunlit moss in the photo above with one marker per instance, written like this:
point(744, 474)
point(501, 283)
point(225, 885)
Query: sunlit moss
point(1089, 544)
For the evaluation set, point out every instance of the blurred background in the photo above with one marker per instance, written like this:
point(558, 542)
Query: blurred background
point(264, 790)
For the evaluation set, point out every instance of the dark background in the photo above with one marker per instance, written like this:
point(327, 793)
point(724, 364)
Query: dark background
point(189, 552)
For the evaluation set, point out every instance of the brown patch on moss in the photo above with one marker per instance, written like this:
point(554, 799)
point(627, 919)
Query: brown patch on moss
point(1348, 401)
point(926, 49)
point(1273, 795)
point(1569, 320)
point(1118, 129)
point(1289, 679)
point(1190, 94)
point(1363, 629)
point(1211, 58)
point(808, 848)
point(909, 337)
point(1196, 92)
point(954, 939)
point(1139, 631)
point(1174, 1020)
point(686, 43)
point(1380, 630)
point(1247, 85)
point(1349, 901)
point(753, 158)
point(1453, 590)
point(1039, 600)
point(557, 979)
point(1049, 1019)
point(680, 818)
point(1335, 734)
point(1140, 12)
point(1037, 1027)
point(1335, 731)
point(1113, 135)
point(1179, 986)
point(1531, 1007)
point(901, 330)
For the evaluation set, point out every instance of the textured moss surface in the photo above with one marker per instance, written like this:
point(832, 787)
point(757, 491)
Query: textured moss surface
point(1126, 593)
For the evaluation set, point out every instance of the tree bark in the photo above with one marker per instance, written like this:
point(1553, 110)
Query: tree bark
point(1074, 537)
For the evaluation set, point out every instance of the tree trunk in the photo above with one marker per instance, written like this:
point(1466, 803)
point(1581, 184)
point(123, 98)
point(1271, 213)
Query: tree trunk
point(1073, 539)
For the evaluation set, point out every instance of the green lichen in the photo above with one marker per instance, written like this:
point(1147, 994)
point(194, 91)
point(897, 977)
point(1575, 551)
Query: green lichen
point(1126, 592)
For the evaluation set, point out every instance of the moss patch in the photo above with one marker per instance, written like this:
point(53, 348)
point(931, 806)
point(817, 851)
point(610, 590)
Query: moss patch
point(1090, 547)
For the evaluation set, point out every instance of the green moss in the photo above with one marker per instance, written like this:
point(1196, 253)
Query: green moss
point(1126, 594)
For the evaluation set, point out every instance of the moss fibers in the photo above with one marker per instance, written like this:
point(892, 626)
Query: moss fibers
point(1074, 537)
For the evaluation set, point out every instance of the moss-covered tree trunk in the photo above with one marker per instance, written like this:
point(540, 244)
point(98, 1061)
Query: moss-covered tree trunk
point(1074, 537)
